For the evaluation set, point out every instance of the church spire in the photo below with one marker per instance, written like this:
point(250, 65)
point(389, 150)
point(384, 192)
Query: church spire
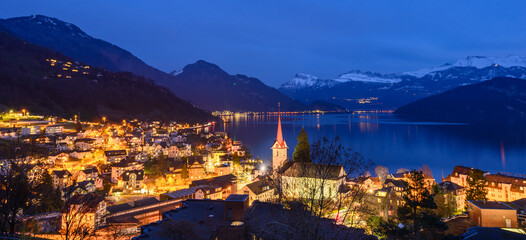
point(279, 137)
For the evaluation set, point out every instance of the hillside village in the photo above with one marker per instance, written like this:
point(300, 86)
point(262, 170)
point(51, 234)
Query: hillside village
point(141, 177)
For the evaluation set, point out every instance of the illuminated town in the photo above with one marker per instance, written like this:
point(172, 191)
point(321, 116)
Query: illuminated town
point(262, 120)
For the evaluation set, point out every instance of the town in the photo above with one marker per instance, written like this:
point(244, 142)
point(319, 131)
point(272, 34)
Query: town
point(142, 179)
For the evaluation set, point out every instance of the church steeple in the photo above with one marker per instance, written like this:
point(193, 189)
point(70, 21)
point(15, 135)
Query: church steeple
point(279, 136)
point(279, 148)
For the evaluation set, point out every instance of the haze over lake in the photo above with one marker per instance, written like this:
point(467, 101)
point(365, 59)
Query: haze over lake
point(390, 141)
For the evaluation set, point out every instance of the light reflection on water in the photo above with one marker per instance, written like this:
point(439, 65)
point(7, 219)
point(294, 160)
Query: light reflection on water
point(390, 141)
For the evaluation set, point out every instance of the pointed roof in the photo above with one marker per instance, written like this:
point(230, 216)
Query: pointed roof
point(279, 136)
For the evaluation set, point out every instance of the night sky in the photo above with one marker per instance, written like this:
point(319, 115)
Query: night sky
point(273, 40)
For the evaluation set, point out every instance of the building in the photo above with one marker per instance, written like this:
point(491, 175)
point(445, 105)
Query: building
point(141, 212)
point(114, 156)
point(492, 214)
point(83, 213)
point(455, 194)
point(132, 181)
point(198, 192)
point(298, 179)
point(30, 130)
point(90, 174)
point(279, 148)
point(119, 168)
point(196, 170)
point(227, 183)
point(54, 129)
point(84, 144)
point(501, 187)
point(210, 219)
point(388, 199)
point(262, 190)
point(61, 178)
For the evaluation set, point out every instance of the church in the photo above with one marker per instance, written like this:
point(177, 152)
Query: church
point(299, 179)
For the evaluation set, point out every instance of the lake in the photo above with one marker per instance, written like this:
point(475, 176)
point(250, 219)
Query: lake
point(390, 141)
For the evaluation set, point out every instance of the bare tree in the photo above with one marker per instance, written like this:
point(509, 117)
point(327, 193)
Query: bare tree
point(382, 173)
point(80, 216)
point(16, 185)
point(321, 187)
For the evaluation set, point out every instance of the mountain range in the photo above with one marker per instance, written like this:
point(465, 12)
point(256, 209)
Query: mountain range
point(369, 90)
point(46, 82)
point(500, 101)
point(203, 84)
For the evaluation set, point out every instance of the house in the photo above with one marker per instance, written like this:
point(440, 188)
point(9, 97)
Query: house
point(196, 170)
point(83, 212)
point(173, 152)
point(61, 147)
point(455, 194)
point(492, 214)
point(84, 144)
point(132, 181)
point(300, 178)
point(227, 183)
point(262, 190)
point(119, 168)
point(89, 173)
point(80, 154)
point(387, 199)
point(61, 178)
point(114, 156)
point(83, 187)
point(54, 129)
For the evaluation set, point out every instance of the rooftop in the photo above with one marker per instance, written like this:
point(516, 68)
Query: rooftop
point(490, 205)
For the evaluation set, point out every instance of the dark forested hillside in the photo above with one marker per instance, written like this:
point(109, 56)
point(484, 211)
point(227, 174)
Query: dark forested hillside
point(498, 101)
point(47, 82)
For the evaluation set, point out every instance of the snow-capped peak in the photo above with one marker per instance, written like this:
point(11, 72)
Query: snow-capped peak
point(476, 62)
point(301, 80)
point(359, 76)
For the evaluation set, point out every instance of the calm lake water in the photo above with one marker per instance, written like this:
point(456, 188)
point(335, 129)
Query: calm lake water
point(392, 142)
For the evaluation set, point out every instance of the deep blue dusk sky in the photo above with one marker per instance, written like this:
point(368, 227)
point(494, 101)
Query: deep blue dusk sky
point(273, 40)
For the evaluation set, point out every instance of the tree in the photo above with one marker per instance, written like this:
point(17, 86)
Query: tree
point(446, 204)
point(49, 198)
point(323, 193)
point(236, 160)
point(382, 173)
point(79, 214)
point(417, 214)
point(184, 171)
point(476, 187)
point(302, 150)
point(16, 188)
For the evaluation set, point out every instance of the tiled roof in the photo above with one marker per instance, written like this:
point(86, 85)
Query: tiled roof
point(311, 170)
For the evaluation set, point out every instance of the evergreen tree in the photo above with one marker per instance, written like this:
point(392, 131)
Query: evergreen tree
point(184, 172)
point(418, 212)
point(476, 188)
point(302, 150)
point(236, 160)
point(50, 198)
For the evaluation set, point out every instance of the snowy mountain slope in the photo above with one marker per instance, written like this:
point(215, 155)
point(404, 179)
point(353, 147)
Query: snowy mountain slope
point(366, 90)
point(474, 61)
